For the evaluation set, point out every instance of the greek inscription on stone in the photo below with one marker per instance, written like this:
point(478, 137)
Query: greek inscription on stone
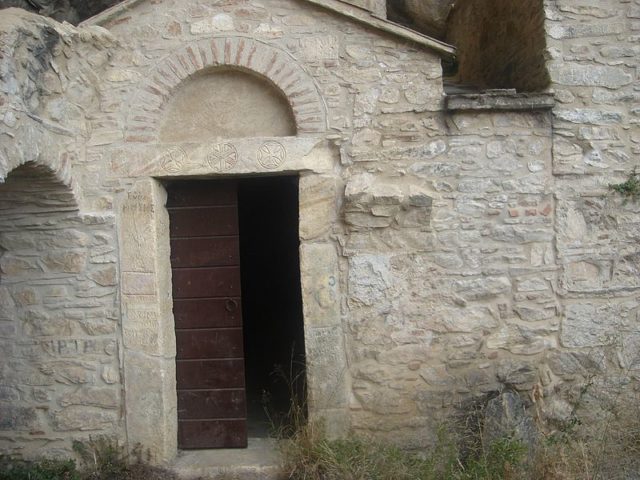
point(271, 155)
point(144, 318)
point(137, 203)
point(70, 347)
point(174, 160)
point(222, 157)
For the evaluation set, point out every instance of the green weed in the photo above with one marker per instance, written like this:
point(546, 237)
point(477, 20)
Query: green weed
point(13, 469)
point(630, 188)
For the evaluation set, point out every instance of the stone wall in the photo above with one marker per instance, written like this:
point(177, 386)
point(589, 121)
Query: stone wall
point(60, 366)
point(451, 298)
point(449, 250)
point(594, 68)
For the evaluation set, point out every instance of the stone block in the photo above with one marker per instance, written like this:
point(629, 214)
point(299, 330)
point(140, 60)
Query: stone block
point(320, 284)
point(221, 22)
point(507, 417)
point(370, 279)
point(520, 340)
point(593, 324)
point(69, 372)
point(38, 323)
point(19, 419)
point(104, 276)
point(482, 288)
point(327, 372)
point(581, 30)
point(405, 355)
point(110, 374)
point(151, 404)
point(462, 320)
point(588, 116)
point(590, 76)
point(381, 400)
point(83, 419)
point(319, 47)
point(138, 283)
point(318, 204)
point(336, 422)
point(517, 373)
point(141, 329)
point(65, 262)
point(92, 397)
point(534, 314)
point(9, 394)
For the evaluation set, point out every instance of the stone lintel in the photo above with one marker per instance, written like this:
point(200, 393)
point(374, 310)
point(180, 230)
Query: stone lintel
point(499, 100)
point(223, 157)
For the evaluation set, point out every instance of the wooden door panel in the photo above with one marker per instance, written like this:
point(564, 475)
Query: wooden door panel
point(211, 403)
point(206, 282)
point(203, 221)
point(209, 374)
point(207, 312)
point(205, 252)
point(212, 433)
point(211, 343)
point(198, 194)
point(205, 264)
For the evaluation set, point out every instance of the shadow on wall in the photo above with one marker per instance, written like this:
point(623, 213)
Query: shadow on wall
point(72, 11)
point(501, 44)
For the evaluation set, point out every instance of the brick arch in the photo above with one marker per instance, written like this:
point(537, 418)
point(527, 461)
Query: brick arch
point(273, 64)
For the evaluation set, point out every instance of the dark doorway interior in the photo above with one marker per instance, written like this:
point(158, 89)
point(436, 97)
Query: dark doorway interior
point(271, 298)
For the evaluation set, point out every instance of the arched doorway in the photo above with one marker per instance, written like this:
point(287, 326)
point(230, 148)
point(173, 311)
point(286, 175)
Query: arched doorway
point(235, 266)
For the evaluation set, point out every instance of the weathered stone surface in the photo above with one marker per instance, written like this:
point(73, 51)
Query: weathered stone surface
point(78, 418)
point(320, 284)
point(443, 252)
point(499, 100)
point(318, 202)
point(506, 417)
point(92, 397)
point(593, 324)
point(370, 279)
point(482, 288)
point(327, 367)
point(18, 419)
point(591, 76)
point(520, 341)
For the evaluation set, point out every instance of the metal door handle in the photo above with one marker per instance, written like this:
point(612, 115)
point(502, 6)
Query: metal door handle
point(231, 305)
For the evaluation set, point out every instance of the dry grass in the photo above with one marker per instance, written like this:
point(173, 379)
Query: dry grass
point(601, 441)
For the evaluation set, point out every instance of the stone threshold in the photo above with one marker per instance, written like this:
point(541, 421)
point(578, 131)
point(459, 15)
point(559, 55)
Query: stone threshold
point(499, 100)
point(259, 461)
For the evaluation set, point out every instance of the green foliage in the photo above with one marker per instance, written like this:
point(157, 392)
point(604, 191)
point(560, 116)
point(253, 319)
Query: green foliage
point(503, 459)
point(12, 469)
point(101, 458)
point(309, 455)
point(629, 189)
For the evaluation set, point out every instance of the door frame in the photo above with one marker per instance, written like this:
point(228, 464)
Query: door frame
point(148, 332)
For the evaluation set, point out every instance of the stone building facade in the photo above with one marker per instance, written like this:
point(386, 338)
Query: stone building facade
point(451, 246)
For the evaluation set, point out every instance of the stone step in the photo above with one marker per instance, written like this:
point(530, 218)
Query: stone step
point(259, 461)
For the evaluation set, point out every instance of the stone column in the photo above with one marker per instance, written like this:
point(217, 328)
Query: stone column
point(327, 373)
point(147, 321)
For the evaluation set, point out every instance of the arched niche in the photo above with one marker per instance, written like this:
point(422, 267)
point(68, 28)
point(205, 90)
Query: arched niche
point(59, 362)
point(500, 44)
point(226, 103)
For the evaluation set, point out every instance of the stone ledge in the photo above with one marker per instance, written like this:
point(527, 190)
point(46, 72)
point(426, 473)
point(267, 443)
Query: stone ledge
point(499, 100)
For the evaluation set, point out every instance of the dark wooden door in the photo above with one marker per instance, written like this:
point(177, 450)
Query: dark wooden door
point(205, 263)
